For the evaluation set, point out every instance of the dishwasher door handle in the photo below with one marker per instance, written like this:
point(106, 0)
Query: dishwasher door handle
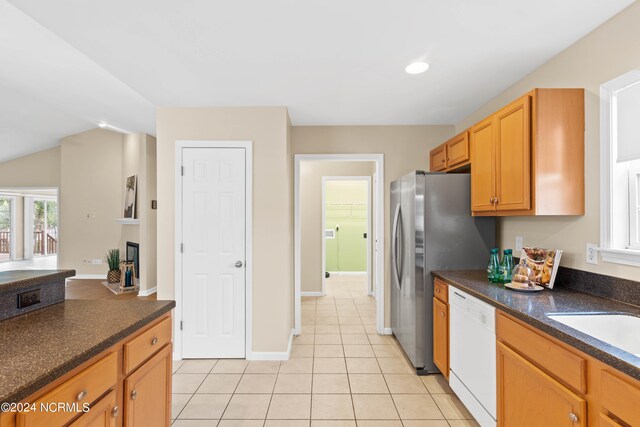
point(458, 295)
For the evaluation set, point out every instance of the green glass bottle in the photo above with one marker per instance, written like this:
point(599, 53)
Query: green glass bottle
point(493, 269)
point(506, 266)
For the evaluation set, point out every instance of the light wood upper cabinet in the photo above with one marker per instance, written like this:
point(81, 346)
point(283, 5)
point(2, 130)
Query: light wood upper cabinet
point(457, 150)
point(483, 169)
point(528, 157)
point(438, 158)
point(452, 155)
point(529, 397)
point(513, 156)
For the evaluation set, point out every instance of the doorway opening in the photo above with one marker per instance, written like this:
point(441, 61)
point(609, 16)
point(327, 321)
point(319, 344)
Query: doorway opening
point(29, 234)
point(311, 260)
point(346, 227)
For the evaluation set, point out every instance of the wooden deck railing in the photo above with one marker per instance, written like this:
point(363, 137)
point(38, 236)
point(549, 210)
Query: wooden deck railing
point(5, 242)
point(52, 244)
point(39, 240)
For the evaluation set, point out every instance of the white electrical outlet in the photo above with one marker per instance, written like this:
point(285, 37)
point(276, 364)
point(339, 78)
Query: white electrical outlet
point(592, 253)
point(96, 261)
point(518, 245)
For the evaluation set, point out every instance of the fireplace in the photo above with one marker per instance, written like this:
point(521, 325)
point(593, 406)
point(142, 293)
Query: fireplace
point(133, 255)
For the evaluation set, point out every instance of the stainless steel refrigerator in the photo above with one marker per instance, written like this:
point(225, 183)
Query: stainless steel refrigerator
point(431, 229)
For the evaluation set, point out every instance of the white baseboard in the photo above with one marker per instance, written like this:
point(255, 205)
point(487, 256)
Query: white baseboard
point(147, 292)
point(313, 294)
point(88, 277)
point(272, 355)
point(388, 331)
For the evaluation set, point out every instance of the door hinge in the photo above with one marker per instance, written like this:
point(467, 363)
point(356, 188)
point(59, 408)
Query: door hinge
point(181, 170)
point(181, 325)
point(181, 248)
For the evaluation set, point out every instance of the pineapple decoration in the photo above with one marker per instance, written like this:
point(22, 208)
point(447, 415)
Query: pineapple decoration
point(113, 260)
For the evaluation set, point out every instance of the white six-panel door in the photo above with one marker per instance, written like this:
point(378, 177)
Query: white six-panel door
point(213, 253)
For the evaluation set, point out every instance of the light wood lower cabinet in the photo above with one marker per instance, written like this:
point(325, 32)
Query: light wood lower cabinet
point(542, 381)
point(102, 414)
point(128, 384)
point(529, 397)
point(148, 391)
point(441, 336)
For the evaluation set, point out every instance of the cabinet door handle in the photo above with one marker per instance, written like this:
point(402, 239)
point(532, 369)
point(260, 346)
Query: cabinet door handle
point(491, 200)
point(495, 201)
point(134, 394)
point(154, 341)
point(573, 417)
point(114, 411)
point(442, 314)
point(438, 290)
point(82, 395)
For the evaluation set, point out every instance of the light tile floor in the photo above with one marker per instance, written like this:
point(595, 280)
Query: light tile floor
point(340, 374)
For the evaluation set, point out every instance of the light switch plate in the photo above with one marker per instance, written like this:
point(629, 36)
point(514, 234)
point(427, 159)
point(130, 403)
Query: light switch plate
point(592, 253)
point(518, 245)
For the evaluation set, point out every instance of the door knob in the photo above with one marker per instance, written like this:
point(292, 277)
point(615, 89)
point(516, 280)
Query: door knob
point(573, 417)
point(238, 264)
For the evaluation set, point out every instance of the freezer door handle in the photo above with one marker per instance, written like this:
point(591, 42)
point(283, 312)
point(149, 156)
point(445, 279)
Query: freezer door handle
point(394, 245)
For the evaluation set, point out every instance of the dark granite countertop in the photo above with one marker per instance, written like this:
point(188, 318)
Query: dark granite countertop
point(532, 308)
point(16, 279)
point(39, 347)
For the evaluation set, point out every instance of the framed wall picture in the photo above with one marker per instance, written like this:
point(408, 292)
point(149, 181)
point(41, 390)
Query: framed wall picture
point(130, 196)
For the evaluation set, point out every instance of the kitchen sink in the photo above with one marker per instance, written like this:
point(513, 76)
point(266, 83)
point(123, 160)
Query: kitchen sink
point(619, 330)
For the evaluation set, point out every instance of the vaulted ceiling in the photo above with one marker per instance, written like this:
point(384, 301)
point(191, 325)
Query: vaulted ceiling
point(68, 64)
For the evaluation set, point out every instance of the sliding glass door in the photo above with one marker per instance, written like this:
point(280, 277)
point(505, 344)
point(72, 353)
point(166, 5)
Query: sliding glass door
point(45, 227)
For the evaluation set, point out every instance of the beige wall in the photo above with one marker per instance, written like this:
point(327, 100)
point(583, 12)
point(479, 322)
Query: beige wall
point(405, 148)
point(37, 170)
point(272, 268)
point(149, 217)
point(91, 183)
point(139, 158)
point(607, 52)
point(311, 173)
point(132, 145)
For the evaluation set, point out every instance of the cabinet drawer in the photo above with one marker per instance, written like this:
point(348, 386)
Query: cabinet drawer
point(606, 421)
point(102, 414)
point(620, 398)
point(146, 344)
point(566, 366)
point(438, 158)
point(441, 291)
point(84, 388)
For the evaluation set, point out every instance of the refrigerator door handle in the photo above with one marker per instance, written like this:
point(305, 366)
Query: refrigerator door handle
point(394, 245)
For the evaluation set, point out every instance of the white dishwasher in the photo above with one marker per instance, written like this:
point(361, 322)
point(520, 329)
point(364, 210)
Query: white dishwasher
point(472, 355)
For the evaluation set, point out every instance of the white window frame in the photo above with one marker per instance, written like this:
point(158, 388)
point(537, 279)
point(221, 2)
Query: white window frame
point(12, 225)
point(610, 251)
point(634, 208)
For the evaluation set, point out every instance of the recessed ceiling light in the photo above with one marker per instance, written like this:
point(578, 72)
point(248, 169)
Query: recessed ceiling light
point(417, 67)
point(107, 126)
